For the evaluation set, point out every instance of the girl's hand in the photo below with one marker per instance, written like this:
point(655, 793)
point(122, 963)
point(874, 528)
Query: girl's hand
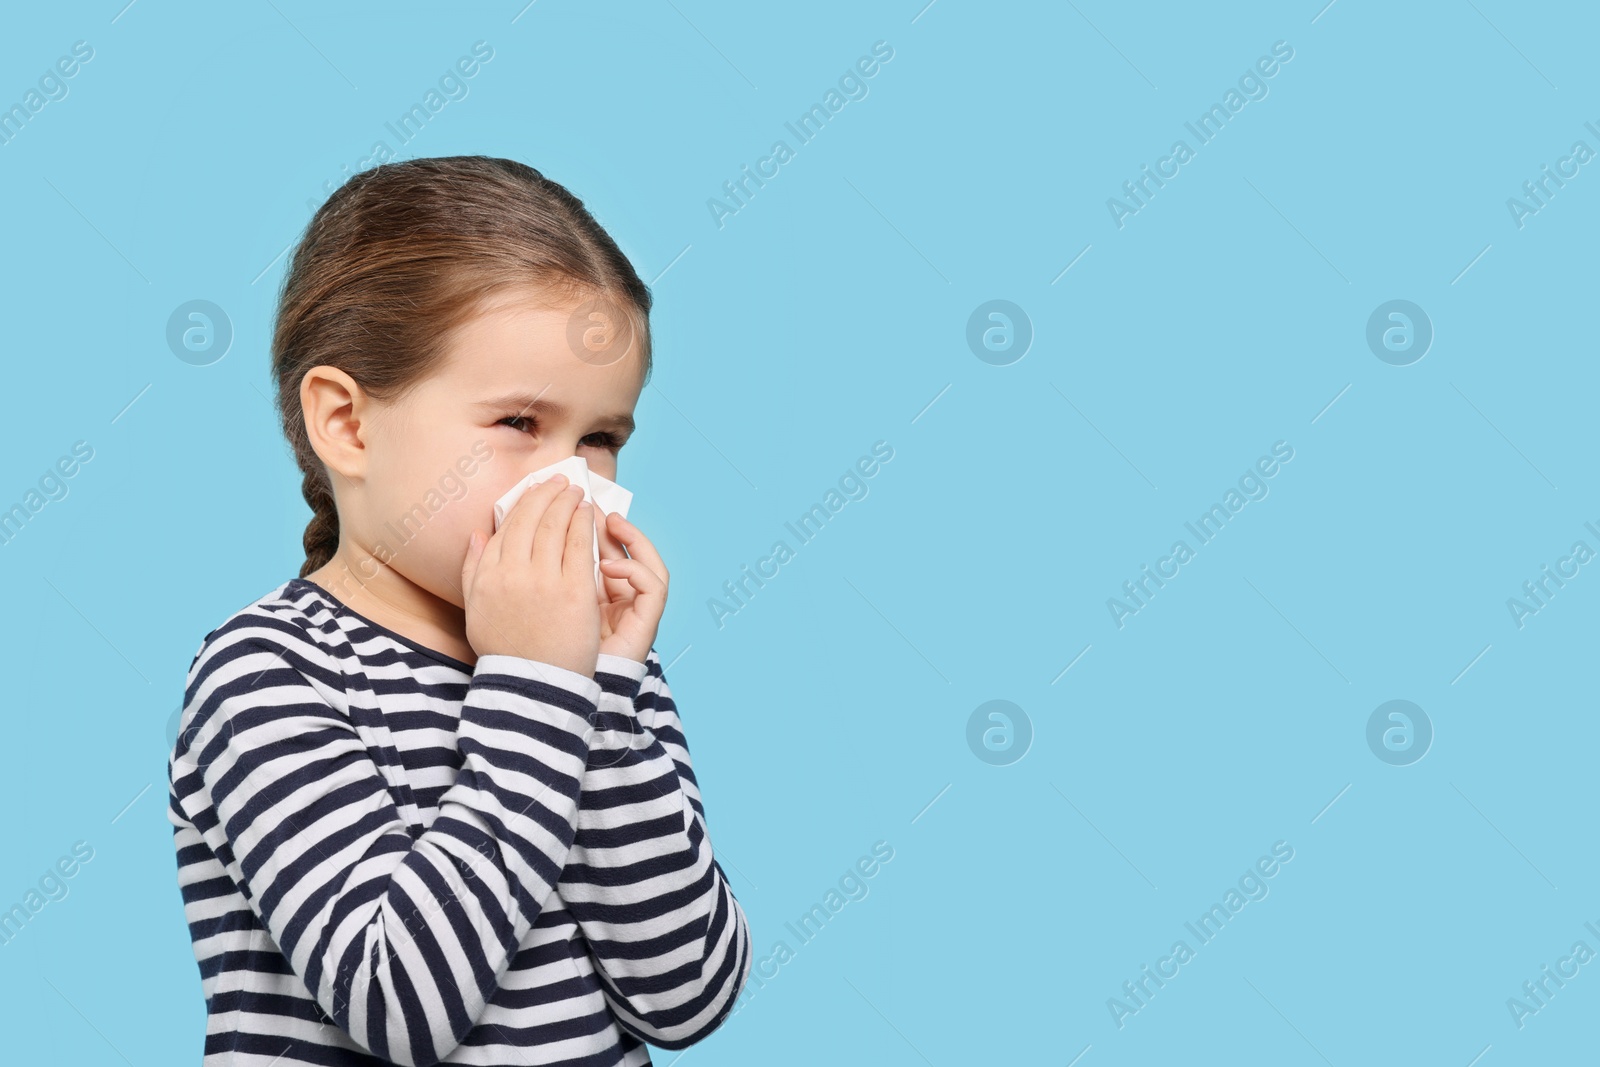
point(635, 589)
point(529, 587)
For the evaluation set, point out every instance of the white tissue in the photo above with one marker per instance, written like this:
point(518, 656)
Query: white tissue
point(599, 490)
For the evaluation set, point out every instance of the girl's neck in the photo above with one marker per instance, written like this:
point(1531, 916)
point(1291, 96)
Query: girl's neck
point(393, 600)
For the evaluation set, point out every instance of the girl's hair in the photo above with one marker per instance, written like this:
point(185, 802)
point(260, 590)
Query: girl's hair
point(404, 253)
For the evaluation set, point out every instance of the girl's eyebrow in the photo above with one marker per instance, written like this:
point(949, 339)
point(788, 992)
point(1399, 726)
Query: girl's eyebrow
point(524, 402)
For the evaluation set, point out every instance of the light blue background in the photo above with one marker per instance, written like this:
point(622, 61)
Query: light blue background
point(830, 313)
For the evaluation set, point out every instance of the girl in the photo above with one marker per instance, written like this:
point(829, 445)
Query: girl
point(431, 799)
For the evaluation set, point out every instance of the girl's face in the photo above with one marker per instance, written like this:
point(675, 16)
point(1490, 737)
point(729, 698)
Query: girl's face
point(517, 392)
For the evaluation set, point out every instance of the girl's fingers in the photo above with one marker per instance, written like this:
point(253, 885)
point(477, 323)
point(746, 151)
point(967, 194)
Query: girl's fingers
point(605, 614)
point(644, 581)
point(637, 574)
point(514, 539)
point(580, 539)
point(610, 548)
point(550, 533)
point(639, 546)
point(469, 565)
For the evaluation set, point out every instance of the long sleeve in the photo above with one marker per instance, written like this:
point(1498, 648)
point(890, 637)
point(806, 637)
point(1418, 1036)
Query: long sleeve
point(401, 940)
point(668, 937)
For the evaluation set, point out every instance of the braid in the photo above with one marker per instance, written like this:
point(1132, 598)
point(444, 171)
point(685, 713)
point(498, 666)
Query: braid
point(322, 532)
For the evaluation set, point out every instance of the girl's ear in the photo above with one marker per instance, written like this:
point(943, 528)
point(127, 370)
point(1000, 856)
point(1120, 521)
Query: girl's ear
point(336, 411)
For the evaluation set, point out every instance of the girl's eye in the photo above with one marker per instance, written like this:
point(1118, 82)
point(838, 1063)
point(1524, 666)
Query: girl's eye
point(608, 441)
point(600, 439)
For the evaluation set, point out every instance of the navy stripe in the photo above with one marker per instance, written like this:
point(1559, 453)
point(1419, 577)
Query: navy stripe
point(367, 879)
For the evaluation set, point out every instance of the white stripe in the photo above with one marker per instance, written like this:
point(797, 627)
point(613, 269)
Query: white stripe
point(341, 653)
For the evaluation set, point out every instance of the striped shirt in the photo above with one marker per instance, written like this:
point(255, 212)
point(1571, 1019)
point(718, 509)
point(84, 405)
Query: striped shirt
point(388, 855)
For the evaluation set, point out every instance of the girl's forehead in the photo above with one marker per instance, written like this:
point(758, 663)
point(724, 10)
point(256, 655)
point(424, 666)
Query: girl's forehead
point(554, 390)
point(500, 350)
point(512, 327)
point(518, 348)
